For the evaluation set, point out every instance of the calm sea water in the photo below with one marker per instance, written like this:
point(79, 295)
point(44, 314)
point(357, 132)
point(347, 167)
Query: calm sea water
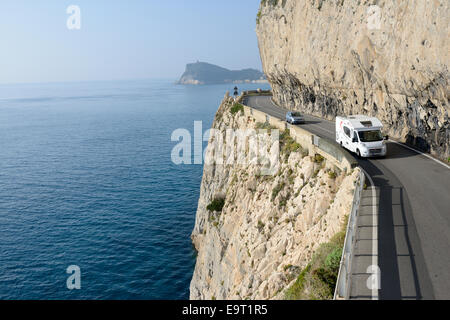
point(86, 179)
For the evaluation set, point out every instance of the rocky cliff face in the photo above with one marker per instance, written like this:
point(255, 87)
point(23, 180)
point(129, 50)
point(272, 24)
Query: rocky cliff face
point(384, 58)
point(269, 226)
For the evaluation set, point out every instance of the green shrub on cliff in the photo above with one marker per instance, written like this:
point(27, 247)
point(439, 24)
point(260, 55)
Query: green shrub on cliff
point(318, 158)
point(258, 16)
point(265, 126)
point(276, 190)
point(216, 205)
point(332, 174)
point(289, 145)
point(333, 260)
point(236, 108)
point(296, 290)
point(318, 280)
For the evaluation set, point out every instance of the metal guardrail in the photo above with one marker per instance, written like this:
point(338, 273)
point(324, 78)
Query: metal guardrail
point(342, 290)
point(328, 147)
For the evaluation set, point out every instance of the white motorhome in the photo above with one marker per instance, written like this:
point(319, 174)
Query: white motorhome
point(361, 135)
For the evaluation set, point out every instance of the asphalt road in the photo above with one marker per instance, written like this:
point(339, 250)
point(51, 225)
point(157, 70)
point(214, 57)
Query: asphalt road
point(413, 193)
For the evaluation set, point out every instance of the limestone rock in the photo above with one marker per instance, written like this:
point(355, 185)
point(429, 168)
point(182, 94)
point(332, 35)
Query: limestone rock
point(253, 246)
point(389, 60)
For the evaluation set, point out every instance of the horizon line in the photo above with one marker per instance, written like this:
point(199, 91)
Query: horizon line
point(84, 81)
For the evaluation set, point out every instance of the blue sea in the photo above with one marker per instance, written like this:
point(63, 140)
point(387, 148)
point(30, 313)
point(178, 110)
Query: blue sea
point(86, 179)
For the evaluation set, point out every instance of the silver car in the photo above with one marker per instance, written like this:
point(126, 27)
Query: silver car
point(294, 117)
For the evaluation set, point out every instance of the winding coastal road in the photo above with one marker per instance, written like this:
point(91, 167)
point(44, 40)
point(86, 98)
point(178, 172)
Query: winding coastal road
point(413, 228)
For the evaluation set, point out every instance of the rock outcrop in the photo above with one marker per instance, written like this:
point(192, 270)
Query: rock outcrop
point(270, 225)
point(205, 73)
point(384, 58)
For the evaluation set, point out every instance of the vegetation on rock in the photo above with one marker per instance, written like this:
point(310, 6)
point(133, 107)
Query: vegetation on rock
point(216, 205)
point(236, 108)
point(317, 281)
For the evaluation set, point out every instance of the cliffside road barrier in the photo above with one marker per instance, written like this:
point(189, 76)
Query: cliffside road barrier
point(333, 153)
point(344, 280)
point(403, 225)
point(315, 144)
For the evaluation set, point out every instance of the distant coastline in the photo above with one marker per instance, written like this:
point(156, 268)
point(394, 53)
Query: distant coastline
point(202, 73)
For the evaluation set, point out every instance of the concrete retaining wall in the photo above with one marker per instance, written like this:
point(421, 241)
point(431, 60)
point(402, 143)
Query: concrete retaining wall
point(327, 148)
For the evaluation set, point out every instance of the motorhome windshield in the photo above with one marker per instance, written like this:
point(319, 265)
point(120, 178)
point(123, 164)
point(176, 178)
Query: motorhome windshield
point(370, 136)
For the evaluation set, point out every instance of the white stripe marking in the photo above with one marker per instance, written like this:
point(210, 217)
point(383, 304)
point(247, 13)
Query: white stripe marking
point(419, 152)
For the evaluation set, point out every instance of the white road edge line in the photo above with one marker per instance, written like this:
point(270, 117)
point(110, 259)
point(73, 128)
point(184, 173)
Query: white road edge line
point(419, 152)
point(374, 233)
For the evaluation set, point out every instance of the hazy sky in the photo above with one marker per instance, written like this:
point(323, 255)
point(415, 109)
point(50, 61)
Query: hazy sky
point(123, 39)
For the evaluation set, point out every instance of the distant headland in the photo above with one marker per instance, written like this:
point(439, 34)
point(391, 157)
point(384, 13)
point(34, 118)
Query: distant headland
point(205, 73)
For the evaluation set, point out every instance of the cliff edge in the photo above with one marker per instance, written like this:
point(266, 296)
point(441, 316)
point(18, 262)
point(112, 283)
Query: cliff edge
point(383, 58)
point(255, 233)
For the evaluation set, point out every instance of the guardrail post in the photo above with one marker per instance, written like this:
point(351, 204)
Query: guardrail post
point(315, 140)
